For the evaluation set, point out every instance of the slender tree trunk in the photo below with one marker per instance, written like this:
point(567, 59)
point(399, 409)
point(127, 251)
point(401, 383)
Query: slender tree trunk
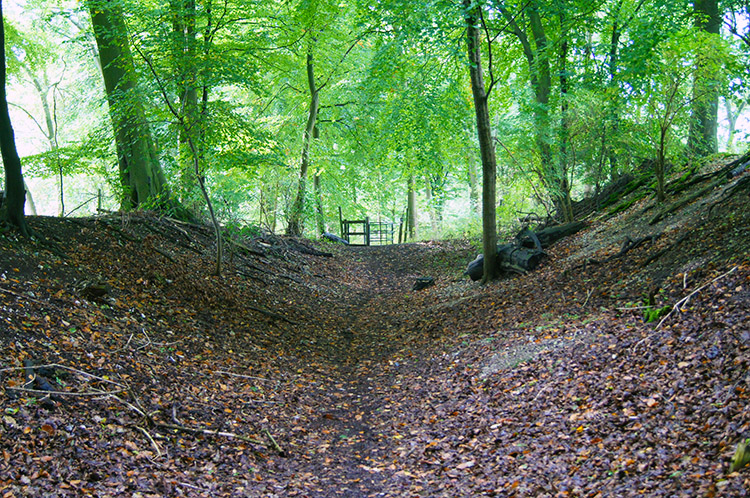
point(542, 88)
point(319, 215)
point(732, 117)
point(140, 172)
point(431, 208)
point(540, 80)
point(614, 97)
point(295, 219)
point(50, 131)
point(15, 193)
point(473, 186)
point(661, 160)
point(704, 118)
point(565, 206)
point(29, 199)
point(486, 146)
point(268, 203)
point(412, 208)
point(184, 51)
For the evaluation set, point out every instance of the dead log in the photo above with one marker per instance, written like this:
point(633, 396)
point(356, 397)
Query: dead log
point(510, 257)
point(526, 252)
point(305, 249)
point(335, 238)
point(548, 236)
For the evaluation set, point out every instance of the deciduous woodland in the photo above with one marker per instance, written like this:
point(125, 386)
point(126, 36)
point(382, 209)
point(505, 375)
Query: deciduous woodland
point(317, 248)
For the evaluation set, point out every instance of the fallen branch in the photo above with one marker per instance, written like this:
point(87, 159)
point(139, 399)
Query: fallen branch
point(685, 299)
point(685, 201)
point(588, 296)
point(18, 294)
point(242, 376)
point(273, 442)
point(271, 314)
point(65, 393)
point(153, 443)
point(132, 407)
point(208, 432)
point(140, 410)
point(627, 246)
point(247, 249)
point(671, 246)
point(63, 367)
point(47, 390)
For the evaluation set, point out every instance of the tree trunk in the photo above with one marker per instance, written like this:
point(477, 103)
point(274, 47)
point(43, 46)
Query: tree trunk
point(319, 216)
point(565, 207)
point(660, 166)
point(486, 146)
point(184, 45)
point(15, 193)
point(702, 139)
point(542, 86)
point(29, 199)
point(269, 203)
point(541, 83)
point(412, 208)
point(614, 101)
point(50, 132)
point(429, 198)
point(295, 219)
point(473, 186)
point(140, 172)
point(732, 117)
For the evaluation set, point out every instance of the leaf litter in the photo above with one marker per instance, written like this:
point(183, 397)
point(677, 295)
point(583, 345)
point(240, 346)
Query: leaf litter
point(297, 374)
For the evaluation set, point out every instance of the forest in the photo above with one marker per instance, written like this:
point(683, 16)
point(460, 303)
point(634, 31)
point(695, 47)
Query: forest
point(182, 312)
point(275, 114)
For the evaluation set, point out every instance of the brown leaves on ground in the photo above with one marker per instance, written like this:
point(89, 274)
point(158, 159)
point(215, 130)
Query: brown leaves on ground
point(301, 375)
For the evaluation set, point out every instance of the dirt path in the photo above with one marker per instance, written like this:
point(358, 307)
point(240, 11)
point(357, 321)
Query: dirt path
point(348, 453)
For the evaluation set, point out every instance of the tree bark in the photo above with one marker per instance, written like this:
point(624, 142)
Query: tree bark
point(486, 145)
point(295, 219)
point(540, 80)
point(473, 186)
point(319, 216)
point(412, 208)
point(430, 200)
point(702, 140)
point(565, 206)
point(732, 117)
point(50, 130)
point(140, 172)
point(184, 49)
point(613, 107)
point(15, 193)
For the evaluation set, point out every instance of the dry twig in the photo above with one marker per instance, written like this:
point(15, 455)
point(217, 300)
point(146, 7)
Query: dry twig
point(679, 304)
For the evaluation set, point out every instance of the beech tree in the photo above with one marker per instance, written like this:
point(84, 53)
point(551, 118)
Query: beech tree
point(15, 192)
point(295, 216)
point(375, 103)
point(702, 138)
point(473, 17)
point(141, 174)
point(327, 41)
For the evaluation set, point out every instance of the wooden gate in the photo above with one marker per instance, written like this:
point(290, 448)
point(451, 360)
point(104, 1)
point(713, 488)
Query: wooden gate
point(366, 232)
